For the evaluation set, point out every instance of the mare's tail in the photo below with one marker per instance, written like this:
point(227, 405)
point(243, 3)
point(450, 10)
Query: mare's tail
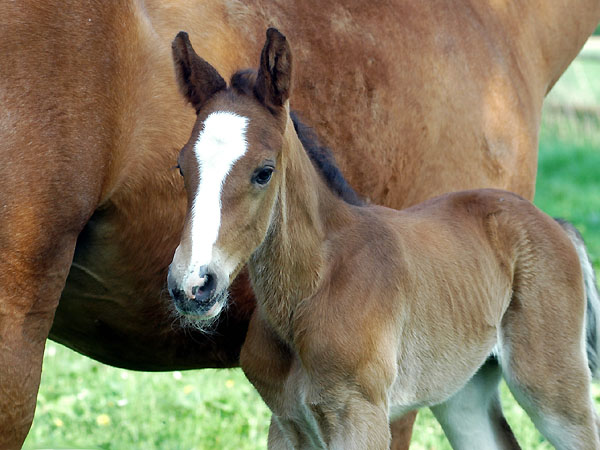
point(592, 326)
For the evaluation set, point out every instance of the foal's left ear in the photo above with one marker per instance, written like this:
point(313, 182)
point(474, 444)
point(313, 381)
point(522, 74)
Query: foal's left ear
point(274, 79)
point(197, 79)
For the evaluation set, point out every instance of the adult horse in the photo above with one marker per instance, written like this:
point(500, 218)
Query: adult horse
point(91, 122)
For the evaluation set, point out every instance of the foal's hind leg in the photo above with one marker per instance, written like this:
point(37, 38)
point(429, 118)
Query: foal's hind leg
point(543, 358)
point(472, 418)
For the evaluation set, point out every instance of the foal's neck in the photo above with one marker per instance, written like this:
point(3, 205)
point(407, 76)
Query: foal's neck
point(289, 264)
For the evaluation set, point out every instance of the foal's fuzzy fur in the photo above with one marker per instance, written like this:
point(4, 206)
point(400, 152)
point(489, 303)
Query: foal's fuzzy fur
point(365, 313)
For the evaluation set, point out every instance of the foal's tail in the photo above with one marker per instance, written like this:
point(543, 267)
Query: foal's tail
point(592, 326)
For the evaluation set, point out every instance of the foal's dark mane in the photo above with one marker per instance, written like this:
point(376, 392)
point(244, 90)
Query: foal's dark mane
point(321, 156)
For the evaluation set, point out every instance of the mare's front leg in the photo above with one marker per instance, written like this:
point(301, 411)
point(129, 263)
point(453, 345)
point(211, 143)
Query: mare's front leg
point(38, 232)
point(37, 248)
point(46, 196)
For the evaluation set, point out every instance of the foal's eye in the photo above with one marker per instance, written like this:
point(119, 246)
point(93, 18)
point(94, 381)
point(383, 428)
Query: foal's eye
point(180, 171)
point(262, 175)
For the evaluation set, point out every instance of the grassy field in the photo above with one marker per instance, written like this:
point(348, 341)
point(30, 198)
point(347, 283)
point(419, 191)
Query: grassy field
point(84, 404)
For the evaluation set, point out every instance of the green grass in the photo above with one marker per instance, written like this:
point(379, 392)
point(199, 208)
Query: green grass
point(584, 73)
point(568, 182)
point(84, 404)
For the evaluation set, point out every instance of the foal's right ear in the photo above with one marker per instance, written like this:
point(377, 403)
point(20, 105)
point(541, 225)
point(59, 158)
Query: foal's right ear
point(274, 78)
point(197, 79)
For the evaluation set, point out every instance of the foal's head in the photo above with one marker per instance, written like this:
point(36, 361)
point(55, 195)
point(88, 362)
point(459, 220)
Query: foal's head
point(231, 170)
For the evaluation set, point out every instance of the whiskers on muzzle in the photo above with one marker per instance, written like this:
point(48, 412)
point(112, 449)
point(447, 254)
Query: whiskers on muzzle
point(206, 324)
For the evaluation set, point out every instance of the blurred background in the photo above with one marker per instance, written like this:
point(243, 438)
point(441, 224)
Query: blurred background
point(84, 404)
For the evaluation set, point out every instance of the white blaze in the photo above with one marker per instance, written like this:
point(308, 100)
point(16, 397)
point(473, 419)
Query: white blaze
point(220, 144)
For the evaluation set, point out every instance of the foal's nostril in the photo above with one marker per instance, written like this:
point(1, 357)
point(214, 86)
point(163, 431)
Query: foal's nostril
point(206, 289)
point(177, 294)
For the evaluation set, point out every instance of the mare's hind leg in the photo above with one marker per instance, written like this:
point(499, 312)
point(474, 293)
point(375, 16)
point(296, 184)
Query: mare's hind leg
point(543, 356)
point(402, 431)
point(472, 418)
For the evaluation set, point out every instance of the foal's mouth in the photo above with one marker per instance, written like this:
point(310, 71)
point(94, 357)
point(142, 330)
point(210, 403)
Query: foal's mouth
point(205, 310)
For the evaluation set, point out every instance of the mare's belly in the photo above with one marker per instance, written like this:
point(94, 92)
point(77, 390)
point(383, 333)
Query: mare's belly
point(117, 315)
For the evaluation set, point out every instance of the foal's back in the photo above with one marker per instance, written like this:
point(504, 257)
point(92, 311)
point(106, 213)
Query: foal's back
point(470, 253)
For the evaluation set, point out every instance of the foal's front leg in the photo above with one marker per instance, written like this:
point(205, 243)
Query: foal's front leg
point(354, 424)
point(365, 425)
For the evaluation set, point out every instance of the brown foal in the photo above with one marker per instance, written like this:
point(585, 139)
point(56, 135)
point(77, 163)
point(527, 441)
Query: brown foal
point(365, 313)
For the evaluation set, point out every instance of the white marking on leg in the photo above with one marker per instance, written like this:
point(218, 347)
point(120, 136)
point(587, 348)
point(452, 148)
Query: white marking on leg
point(220, 144)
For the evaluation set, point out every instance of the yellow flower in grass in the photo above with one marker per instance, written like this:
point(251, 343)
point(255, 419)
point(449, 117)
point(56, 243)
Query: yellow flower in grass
point(57, 422)
point(103, 420)
point(229, 384)
point(187, 389)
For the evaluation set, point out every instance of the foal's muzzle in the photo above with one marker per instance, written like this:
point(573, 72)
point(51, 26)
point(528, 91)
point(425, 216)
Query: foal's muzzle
point(200, 299)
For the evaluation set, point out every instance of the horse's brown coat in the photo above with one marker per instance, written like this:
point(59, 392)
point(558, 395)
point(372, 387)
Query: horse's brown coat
point(91, 121)
point(366, 312)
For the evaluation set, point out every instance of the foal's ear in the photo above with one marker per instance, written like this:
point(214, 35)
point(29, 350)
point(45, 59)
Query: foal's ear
point(197, 79)
point(274, 79)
